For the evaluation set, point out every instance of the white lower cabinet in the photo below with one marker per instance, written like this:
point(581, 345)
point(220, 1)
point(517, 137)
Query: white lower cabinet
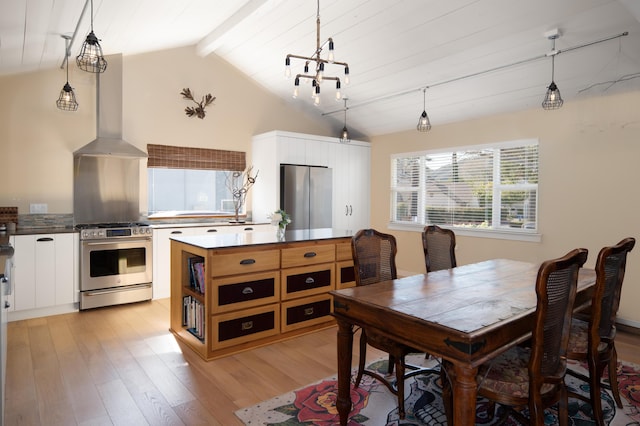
point(46, 274)
point(162, 249)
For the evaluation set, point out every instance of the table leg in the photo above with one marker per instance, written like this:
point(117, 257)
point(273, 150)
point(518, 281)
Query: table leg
point(345, 348)
point(464, 395)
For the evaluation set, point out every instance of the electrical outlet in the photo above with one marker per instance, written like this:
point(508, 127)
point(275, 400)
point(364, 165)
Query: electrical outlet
point(38, 208)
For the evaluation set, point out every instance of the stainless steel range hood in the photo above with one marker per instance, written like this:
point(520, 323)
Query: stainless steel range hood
point(109, 116)
point(106, 171)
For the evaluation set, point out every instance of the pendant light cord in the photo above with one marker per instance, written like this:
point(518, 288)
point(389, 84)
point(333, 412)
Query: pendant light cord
point(91, 15)
point(553, 61)
point(424, 99)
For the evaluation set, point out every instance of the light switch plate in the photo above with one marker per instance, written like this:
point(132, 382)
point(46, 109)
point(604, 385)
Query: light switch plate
point(38, 208)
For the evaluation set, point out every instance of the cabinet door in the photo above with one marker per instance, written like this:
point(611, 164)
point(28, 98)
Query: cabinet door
point(46, 270)
point(24, 278)
point(359, 187)
point(66, 268)
point(351, 186)
point(162, 259)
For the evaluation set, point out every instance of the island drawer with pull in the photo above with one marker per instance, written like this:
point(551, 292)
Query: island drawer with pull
point(343, 251)
point(308, 255)
point(223, 264)
point(247, 325)
point(307, 281)
point(304, 312)
point(345, 274)
point(245, 291)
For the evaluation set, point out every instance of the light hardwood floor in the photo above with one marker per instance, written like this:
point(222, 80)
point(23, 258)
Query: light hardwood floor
point(121, 366)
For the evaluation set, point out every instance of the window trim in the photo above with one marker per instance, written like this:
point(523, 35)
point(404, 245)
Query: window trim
point(496, 233)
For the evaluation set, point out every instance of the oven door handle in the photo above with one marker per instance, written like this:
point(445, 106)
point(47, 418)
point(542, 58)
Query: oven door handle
point(116, 290)
point(112, 242)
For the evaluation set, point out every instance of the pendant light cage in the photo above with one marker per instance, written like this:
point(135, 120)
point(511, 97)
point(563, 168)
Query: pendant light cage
point(91, 58)
point(552, 99)
point(424, 124)
point(344, 136)
point(67, 99)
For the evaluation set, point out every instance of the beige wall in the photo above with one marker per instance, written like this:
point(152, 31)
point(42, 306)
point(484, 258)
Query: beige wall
point(589, 177)
point(37, 140)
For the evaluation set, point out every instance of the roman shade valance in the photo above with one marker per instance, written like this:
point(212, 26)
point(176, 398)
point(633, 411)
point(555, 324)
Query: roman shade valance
point(180, 157)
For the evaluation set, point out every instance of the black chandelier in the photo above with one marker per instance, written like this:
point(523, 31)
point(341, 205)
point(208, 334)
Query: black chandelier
point(316, 73)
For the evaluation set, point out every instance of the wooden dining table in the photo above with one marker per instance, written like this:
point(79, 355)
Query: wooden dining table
point(466, 316)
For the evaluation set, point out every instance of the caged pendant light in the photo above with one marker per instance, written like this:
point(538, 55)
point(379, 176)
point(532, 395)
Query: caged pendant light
point(552, 99)
point(91, 58)
point(67, 99)
point(424, 125)
point(344, 136)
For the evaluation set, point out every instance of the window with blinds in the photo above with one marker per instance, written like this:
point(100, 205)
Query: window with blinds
point(484, 187)
point(185, 181)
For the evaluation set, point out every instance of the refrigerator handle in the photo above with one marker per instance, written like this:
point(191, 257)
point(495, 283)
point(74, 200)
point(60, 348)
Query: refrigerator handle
point(350, 210)
point(346, 210)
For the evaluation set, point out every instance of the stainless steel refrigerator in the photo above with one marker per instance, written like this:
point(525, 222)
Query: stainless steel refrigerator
point(305, 194)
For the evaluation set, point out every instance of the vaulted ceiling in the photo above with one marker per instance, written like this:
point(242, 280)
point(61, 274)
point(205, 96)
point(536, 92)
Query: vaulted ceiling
point(473, 57)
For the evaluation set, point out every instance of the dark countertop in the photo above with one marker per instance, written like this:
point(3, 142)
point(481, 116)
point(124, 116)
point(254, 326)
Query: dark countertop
point(261, 238)
point(30, 230)
point(44, 230)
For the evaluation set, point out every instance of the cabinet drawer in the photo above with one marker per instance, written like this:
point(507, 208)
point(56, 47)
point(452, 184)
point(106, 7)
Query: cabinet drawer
point(245, 262)
point(239, 292)
point(345, 274)
point(343, 251)
point(250, 324)
point(305, 312)
point(308, 255)
point(301, 282)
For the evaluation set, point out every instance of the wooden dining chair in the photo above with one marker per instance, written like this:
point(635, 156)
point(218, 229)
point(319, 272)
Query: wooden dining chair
point(374, 256)
point(533, 376)
point(439, 248)
point(593, 340)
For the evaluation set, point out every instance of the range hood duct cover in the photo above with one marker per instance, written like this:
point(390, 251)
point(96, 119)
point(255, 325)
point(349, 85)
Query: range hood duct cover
point(109, 140)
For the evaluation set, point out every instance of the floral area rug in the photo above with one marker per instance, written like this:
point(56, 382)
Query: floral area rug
point(373, 404)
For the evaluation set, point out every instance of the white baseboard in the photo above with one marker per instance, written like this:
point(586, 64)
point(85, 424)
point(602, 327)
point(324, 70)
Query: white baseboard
point(629, 323)
point(43, 312)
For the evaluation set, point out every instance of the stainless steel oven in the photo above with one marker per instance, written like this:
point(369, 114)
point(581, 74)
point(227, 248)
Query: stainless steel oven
point(115, 264)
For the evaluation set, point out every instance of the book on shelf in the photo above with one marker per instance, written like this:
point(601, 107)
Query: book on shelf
point(193, 316)
point(196, 274)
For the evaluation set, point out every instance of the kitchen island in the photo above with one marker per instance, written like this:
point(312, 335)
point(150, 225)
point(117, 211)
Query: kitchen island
point(233, 292)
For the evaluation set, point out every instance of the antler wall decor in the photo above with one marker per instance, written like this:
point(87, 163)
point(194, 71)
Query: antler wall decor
point(199, 110)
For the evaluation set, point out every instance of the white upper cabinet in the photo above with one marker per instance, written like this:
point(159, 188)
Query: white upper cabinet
point(351, 164)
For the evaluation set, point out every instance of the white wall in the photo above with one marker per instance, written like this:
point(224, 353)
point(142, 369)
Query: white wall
point(589, 178)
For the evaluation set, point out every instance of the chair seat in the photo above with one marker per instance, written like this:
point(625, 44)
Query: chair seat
point(508, 374)
point(579, 339)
